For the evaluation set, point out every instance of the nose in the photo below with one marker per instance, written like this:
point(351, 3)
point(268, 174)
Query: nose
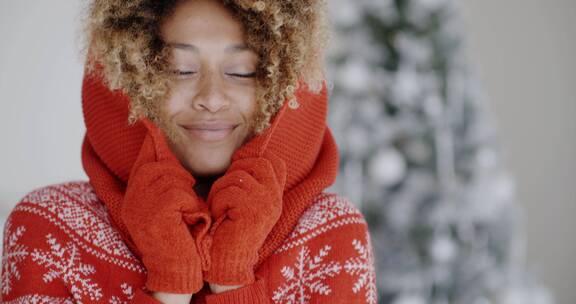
point(210, 95)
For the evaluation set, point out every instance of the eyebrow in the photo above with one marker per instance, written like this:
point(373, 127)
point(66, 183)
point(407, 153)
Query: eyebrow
point(234, 48)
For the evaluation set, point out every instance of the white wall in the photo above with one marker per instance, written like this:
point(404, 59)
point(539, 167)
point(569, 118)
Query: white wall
point(524, 49)
point(41, 125)
point(526, 53)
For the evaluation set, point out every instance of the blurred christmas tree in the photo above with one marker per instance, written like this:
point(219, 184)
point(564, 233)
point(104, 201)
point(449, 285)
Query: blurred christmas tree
point(419, 155)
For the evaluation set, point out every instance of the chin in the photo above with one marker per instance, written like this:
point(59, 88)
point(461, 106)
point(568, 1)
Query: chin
point(208, 172)
point(207, 168)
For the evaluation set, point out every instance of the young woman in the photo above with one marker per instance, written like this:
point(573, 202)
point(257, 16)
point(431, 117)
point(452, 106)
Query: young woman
point(208, 155)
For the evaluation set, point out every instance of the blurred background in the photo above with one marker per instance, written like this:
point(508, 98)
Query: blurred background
point(455, 122)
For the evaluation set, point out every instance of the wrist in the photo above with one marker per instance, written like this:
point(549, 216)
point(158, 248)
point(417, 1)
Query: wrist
point(172, 298)
point(215, 288)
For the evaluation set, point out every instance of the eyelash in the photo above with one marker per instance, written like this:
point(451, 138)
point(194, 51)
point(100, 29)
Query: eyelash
point(186, 73)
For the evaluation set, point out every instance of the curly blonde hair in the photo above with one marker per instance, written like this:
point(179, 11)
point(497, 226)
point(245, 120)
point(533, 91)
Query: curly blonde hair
point(124, 46)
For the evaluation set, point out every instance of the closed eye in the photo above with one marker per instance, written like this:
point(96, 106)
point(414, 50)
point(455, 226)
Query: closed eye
point(242, 75)
point(186, 73)
point(178, 72)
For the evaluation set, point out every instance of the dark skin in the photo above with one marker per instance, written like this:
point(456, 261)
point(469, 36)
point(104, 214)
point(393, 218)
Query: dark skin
point(215, 81)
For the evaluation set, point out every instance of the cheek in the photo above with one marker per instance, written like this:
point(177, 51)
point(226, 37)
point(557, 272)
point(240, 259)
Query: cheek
point(247, 105)
point(176, 101)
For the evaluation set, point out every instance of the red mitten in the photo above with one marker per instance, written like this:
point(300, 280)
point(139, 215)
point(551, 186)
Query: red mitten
point(165, 219)
point(246, 203)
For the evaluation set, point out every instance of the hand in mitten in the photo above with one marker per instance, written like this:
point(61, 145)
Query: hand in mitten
point(246, 203)
point(165, 219)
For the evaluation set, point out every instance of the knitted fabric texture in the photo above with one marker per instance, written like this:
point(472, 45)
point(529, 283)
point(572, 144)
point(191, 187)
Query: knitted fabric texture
point(61, 247)
point(247, 202)
point(300, 137)
point(159, 209)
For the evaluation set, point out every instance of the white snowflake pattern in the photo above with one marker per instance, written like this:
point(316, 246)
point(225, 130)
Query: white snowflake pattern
point(329, 211)
point(363, 267)
point(328, 207)
point(76, 205)
point(308, 276)
point(128, 295)
point(64, 262)
point(14, 253)
point(40, 299)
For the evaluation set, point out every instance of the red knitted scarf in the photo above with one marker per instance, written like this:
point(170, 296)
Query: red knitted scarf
point(299, 136)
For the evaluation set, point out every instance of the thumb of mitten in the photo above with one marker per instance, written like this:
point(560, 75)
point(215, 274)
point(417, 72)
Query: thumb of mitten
point(161, 147)
point(199, 224)
point(279, 166)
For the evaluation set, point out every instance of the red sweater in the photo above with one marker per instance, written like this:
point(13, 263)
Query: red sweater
point(60, 247)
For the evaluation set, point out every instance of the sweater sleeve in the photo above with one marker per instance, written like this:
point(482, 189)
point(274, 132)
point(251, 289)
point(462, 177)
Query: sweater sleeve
point(30, 263)
point(58, 247)
point(327, 259)
point(29, 271)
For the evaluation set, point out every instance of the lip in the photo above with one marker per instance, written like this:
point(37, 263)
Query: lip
point(210, 131)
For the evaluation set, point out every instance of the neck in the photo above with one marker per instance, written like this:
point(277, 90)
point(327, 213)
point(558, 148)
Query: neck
point(204, 184)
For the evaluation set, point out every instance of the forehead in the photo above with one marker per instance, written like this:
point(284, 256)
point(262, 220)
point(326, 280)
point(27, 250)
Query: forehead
point(201, 19)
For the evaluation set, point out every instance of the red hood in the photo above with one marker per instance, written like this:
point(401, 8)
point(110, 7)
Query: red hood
point(299, 136)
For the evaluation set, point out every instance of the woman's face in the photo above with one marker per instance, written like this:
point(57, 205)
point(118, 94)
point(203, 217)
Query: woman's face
point(212, 98)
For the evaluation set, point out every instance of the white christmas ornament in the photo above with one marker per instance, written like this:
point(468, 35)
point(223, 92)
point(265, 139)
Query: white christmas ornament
point(443, 249)
point(387, 167)
point(357, 141)
point(346, 12)
point(406, 88)
point(354, 76)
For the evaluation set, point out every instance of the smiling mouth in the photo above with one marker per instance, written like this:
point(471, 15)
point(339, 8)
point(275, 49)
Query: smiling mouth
point(210, 135)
